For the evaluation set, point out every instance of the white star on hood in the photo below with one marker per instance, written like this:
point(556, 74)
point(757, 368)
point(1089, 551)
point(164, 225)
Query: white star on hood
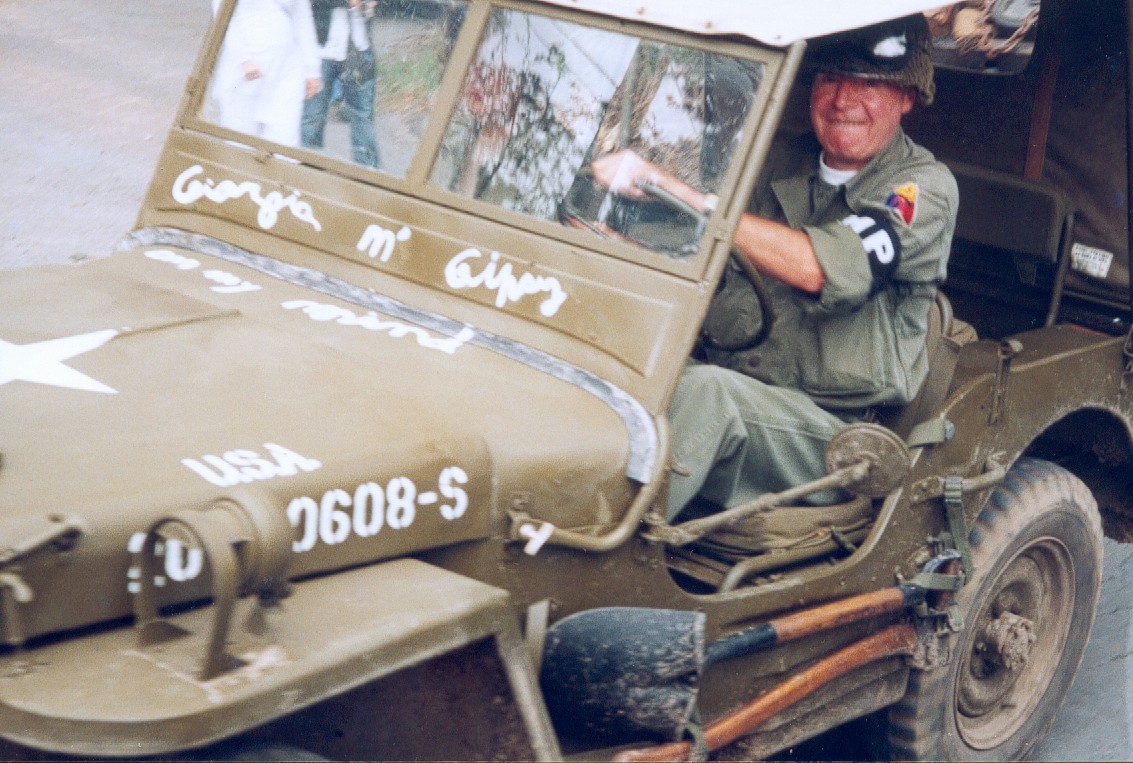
point(42, 362)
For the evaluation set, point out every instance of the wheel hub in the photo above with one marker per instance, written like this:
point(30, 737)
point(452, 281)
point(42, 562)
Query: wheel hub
point(1006, 641)
point(1007, 666)
point(1000, 650)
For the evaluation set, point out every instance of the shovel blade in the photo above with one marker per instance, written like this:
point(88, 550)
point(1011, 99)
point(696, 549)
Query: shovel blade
point(622, 673)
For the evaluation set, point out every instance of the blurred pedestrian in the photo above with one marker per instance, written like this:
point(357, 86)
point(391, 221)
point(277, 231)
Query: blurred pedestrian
point(268, 66)
point(347, 63)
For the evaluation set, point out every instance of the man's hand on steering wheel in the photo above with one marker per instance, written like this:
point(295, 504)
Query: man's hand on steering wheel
point(623, 172)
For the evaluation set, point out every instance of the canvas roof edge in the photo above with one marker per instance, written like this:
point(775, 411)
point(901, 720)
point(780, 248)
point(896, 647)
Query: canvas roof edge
point(772, 22)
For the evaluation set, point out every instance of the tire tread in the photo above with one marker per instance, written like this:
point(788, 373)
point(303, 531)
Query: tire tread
point(914, 723)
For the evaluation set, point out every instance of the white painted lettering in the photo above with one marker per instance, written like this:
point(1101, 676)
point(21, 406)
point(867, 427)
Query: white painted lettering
point(224, 476)
point(179, 261)
point(334, 524)
point(242, 466)
point(401, 496)
point(378, 242)
point(339, 514)
point(369, 509)
point(536, 537)
point(371, 322)
point(253, 467)
point(187, 190)
point(182, 564)
point(303, 513)
point(457, 495)
point(289, 460)
point(229, 284)
point(508, 288)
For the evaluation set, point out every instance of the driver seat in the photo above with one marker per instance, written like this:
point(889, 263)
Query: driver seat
point(946, 335)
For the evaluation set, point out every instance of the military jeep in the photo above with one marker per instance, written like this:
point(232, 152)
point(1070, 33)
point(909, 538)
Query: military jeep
point(329, 461)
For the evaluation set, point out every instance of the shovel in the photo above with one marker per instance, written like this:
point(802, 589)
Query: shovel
point(618, 673)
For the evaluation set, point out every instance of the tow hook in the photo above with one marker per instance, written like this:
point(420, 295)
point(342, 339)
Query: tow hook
point(246, 544)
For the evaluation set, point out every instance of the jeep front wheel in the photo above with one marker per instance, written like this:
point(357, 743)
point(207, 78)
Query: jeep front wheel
point(1028, 609)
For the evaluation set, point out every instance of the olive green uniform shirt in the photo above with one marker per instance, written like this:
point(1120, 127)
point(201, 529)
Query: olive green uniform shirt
point(882, 241)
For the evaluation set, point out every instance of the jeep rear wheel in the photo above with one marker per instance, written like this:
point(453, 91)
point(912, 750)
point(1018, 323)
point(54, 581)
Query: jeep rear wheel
point(1028, 609)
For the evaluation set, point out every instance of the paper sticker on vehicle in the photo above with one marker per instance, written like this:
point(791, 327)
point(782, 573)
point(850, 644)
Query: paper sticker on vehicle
point(1091, 260)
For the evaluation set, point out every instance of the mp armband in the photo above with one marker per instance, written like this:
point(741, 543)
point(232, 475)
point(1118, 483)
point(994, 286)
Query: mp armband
point(880, 242)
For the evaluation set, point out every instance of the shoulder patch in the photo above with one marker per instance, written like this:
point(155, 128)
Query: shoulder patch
point(880, 241)
point(904, 200)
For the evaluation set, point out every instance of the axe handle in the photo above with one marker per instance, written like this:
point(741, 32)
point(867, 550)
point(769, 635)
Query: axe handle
point(894, 640)
point(815, 620)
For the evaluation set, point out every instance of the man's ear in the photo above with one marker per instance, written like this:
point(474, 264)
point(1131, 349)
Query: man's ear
point(909, 96)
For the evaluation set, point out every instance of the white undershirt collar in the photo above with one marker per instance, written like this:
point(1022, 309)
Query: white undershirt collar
point(832, 176)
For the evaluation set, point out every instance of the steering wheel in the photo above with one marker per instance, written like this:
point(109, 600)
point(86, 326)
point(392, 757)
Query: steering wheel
point(718, 334)
point(733, 298)
point(570, 217)
point(573, 217)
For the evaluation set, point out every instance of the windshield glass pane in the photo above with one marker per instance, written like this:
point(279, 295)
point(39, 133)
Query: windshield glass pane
point(544, 97)
point(355, 79)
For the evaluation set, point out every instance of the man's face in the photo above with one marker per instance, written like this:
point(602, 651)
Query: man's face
point(856, 117)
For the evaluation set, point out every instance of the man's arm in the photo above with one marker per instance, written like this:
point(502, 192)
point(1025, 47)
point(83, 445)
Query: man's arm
point(775, 249)
point(780, 251)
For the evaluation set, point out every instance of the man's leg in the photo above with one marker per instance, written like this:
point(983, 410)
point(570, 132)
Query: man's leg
point(359, 100)
point(315, 108)
point(738, 438)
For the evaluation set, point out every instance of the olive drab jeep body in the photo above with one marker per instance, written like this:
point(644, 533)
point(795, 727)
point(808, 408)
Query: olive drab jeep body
point(354, 462)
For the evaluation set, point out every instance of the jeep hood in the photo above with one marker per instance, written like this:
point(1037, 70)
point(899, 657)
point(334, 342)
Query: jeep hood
point(162, 380)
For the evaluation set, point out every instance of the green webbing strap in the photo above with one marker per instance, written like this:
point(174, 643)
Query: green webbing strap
point(938, 581)
point(699, 748)
point(931, 432)
point(957, 524)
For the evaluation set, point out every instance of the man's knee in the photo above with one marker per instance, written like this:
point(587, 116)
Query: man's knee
point(704, 414)
point(702, 384)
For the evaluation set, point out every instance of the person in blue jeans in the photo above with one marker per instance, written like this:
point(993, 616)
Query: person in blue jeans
point(348, 63)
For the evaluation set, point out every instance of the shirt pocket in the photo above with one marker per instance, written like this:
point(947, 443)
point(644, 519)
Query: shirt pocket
point(853, 360)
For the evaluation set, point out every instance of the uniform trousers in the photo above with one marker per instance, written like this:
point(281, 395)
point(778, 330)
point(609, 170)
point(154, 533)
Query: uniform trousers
point(735, 438)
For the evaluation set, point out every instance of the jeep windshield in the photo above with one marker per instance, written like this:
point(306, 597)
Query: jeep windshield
point(501, 107)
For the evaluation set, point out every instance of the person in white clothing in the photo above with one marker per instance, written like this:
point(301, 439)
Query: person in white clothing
point(268, 66)
point(347, 59)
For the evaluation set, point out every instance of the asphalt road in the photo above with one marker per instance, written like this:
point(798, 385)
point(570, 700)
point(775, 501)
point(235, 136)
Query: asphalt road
point(87, 93)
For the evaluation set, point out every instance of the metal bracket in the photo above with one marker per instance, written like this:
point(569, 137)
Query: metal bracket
point(59, 530)
point(13, 591)
point(952, 489)
point(246, 544)
point(1127, 351)
point(937, 614)
point(23, 537)
point(1007, 352)
point(957, 523)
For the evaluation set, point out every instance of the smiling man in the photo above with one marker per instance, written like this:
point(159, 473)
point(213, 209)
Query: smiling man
point(853, 224)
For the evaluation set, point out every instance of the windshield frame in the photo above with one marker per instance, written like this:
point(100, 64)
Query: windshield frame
point(416, 181)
